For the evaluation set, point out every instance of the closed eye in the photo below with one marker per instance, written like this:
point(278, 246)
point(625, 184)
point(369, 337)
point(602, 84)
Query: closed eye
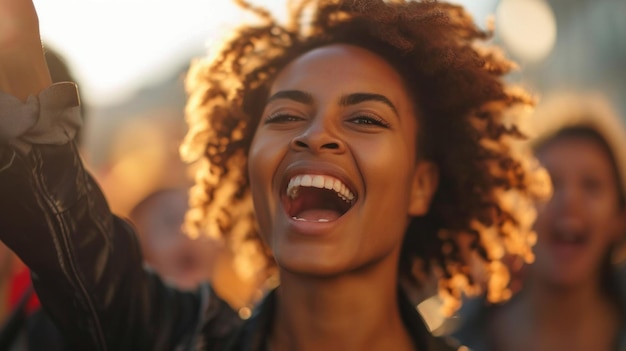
point(369, 120)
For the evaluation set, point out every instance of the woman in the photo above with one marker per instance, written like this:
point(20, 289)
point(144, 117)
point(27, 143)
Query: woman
point(572, 298)
point(341, 153)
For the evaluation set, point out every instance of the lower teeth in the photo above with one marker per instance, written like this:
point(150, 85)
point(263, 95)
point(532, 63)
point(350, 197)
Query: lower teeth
point(321, 220)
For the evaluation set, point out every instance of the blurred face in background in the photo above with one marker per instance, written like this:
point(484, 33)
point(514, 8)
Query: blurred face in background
point(583, 219)
point(179, 260)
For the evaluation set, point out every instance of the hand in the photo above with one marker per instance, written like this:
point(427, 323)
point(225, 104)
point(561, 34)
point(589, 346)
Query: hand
point(18, 21)
point(23, 69)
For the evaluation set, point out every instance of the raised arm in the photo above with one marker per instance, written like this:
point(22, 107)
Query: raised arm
point(85, 262)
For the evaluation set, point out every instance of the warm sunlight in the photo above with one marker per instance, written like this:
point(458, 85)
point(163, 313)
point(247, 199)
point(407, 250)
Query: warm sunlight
point(116, 45)
point(113, 45)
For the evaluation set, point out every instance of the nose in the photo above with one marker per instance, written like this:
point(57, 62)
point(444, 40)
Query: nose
point(567, 200)
point(318, 137)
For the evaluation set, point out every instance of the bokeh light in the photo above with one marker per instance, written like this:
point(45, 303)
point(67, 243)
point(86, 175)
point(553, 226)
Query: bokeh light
point(527, 28)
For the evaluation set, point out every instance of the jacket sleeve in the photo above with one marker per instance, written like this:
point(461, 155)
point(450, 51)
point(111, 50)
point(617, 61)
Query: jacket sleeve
point(85, 262)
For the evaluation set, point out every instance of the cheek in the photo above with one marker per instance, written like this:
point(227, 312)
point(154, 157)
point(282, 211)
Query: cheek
point(610, 228)
point(263, 159)
point(603, 215)
point(393, 160)
point(388, 168)
point(391, 169)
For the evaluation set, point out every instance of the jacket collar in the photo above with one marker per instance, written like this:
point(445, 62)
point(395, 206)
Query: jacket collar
point(252, 336)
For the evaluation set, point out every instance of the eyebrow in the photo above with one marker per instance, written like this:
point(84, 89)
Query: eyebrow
point(346, 100)
point(357, 98)
point(295, 95)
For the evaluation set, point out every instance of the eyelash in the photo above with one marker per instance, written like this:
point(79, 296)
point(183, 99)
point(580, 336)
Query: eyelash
point(282, 117)
point(365, 120)
point(370, 120)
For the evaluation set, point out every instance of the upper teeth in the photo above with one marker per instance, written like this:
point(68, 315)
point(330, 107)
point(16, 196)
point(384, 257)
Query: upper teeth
point(321, 182)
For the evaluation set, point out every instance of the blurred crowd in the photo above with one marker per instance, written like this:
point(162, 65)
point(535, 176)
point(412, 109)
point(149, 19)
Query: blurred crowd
point(575, 283)
point(145, 181)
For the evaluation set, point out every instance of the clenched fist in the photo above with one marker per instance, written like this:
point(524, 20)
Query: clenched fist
point(23, 69)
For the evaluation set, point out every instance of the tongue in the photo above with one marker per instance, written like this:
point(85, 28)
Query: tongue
point(318, 215)
point(316, 205)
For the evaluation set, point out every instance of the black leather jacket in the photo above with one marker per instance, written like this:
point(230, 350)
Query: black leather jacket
point(87, 266)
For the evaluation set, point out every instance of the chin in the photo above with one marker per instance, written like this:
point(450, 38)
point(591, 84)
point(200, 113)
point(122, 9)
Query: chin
point(311, 266)
point(564, 280)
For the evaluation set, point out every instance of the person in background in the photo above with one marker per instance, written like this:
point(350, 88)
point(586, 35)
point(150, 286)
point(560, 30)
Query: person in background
point(146, 182)
point(180, 260)
point(573, 296)
point(337, 150)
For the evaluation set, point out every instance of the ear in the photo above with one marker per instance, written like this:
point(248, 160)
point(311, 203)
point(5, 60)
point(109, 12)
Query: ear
point(423, 188)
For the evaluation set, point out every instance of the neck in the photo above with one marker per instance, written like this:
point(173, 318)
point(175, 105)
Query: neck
point(562, 301)
point(357, 311)
point(544, 316)
point(568, 308)
point(548, 317)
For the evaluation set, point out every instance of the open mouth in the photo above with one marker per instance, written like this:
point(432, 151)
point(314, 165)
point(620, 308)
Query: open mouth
point(317, 198)
point(187, 262)
point(569, 237)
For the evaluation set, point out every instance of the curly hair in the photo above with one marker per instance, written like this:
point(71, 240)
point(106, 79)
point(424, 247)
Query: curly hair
point(486, 189)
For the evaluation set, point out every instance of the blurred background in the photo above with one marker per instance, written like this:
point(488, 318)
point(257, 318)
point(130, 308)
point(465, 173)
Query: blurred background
point(129, 56)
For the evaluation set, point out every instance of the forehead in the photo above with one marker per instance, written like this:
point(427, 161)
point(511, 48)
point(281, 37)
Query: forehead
point(342, 69)
point(576, 156)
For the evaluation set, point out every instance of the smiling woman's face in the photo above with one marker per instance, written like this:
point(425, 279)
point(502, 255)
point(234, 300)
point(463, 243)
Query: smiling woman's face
point(333, 165)
point(583, 218)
